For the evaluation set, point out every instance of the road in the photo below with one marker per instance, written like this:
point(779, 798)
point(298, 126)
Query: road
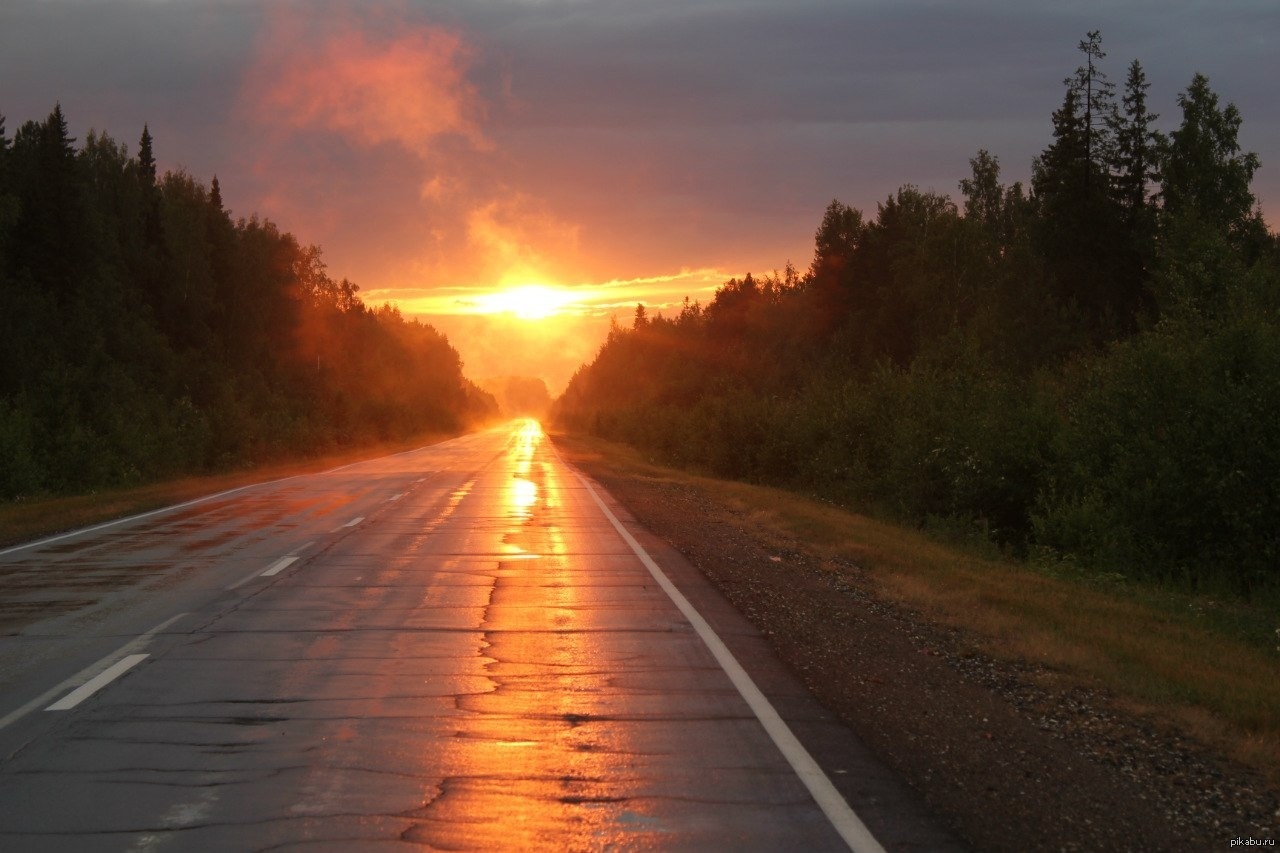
point(459, 647)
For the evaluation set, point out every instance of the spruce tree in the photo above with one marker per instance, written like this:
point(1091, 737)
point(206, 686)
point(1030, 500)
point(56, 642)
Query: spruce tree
point(1077, 228)
point(146, 159)
point(1134, 169)
point(49, 232)
point(1135, 160)
point(152, 230)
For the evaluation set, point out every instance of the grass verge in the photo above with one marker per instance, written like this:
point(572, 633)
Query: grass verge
point(1207, 666)
point(25, 520)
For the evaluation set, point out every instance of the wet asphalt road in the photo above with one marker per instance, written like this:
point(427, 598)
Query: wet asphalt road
point(452, 648)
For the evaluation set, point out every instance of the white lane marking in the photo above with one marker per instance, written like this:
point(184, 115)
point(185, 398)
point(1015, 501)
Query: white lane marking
point(85, 674)
point(352, 523)
point(49, 540)
point(93, 685)
point(842, 817)
point(274, 569)
point(278, 566)
point(396, 497)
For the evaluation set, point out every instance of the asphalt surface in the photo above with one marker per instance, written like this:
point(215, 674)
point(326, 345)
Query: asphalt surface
point(454, 648)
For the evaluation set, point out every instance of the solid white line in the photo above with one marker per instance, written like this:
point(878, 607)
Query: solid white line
point(842, 817)
point(279, 566)
point(93, 685)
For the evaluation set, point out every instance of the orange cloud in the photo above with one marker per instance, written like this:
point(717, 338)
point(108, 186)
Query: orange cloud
point(520, 241)
point(406, 89)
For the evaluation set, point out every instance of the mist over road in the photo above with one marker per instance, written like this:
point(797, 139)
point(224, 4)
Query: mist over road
point(459, 647)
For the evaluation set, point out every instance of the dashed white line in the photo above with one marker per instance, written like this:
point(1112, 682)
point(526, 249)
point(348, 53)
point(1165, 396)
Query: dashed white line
point(273, 569)
point(833, 804)
point(93, 685)
point(278, 566)
point(396, 497)
point(87, 673)
point(352, 523)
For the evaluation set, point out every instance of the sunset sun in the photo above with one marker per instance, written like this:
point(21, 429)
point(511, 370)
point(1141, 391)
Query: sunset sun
point(526, 301)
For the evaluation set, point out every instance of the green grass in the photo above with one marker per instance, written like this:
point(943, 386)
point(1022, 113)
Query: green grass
point(1207, 665)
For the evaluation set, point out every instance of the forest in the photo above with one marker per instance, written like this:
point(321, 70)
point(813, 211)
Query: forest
point(1084, 372)
point(145, 334)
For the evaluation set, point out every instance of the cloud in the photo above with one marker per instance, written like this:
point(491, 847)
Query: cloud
point(407, 88)
point(519, 240)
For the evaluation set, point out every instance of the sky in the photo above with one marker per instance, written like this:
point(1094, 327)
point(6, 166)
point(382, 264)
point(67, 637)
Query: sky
point(597, 153)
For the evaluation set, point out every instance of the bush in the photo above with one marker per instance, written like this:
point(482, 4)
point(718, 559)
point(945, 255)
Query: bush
point(1171, 459)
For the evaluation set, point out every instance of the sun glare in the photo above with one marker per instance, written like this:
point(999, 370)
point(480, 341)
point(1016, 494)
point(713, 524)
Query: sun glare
point(526, 301)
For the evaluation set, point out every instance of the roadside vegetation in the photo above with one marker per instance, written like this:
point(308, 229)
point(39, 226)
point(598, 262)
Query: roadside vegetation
point(146, 335)
point(1083, 375)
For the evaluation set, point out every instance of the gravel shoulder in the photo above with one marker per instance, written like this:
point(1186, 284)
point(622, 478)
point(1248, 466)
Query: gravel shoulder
point(1010, 755)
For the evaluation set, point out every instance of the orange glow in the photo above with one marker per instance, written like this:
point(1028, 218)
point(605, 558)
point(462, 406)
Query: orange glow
point(527, 301)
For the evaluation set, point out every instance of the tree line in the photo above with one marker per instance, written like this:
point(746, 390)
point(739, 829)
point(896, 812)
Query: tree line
point(1086, 370)
point(144, 333)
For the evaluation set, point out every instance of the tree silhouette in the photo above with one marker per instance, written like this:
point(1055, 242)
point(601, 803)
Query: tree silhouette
point(1205, 174)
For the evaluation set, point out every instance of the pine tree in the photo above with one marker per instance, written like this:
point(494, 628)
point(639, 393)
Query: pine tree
point(4, 176)
point(215, 194)
point(146, 159)
point(152, 230)
point(1134, 169)
point(1059, 170)
point(49, 234)
point(8, 203)
point(1135, 160)
point(1097, 99)
point(1077, 229)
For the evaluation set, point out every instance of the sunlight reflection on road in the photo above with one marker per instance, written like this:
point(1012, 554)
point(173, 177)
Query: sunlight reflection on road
point(539, 749)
